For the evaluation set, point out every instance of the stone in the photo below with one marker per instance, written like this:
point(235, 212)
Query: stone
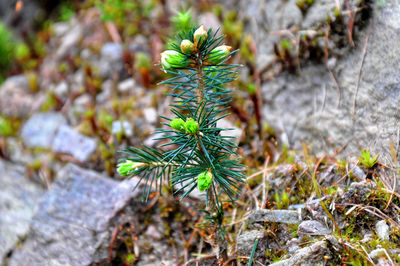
point(150, 115)
point(312, 228)
point(312, 255)
point(245, 241)
point(382, 230)
point(18, 203)
point(118, 127)
point(70, 39)
point(16, 99)
point(210, 21)
point(233, 130)
point(126, 85)
point(60, 28)
point(274, 216)
point(61, 89)
point(75, 220)
point(39, 131)
point(153, 232)
point(112, 51)
point(306, 106)
point(72, 142)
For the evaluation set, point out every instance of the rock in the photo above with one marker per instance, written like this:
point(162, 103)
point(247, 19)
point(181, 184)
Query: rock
point(305, 106)
point(60, 28)
point(382, 230)
point(61, 89)
point(71, 142)
point(70, 39)
point(233, 130)
point(126, 85)
point(153, 232)
point(312, 255)
point(312, 228)
point(39, 131)
point(139, 44)
point(18, 203)
point(16, 99)
point(274, 216)
point(245, 241)
point(118, 127)
point(106, 91)
point(112, 51)
point(75, 220)
point(150, 115)
point(210, 21)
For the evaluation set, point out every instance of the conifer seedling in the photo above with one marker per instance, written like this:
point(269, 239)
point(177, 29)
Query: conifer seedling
point(195, 154)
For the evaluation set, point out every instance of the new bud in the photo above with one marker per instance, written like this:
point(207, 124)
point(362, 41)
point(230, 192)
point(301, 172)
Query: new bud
point(204, 180)
point(191, 126)
point(187, 47)
point(199, 36)
point(219, 54)
point(177, 124)
point(173, 59)
point(126, 167)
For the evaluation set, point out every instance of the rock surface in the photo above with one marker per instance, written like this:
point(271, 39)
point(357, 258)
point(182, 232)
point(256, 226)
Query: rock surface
point(16, 99)
point(274, 216)
point(75, 220)
point(312, 228)
point(311, 255)
point(305, 106)
point(71, 142)
point(18, 202)
point(40, 129)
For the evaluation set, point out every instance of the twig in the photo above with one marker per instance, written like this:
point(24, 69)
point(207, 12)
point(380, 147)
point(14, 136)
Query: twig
point(265, 173)
point(364, 51)
point(205, 257)
point(348, 172)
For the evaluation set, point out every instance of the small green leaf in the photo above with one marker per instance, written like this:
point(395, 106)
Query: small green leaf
point(191, 126)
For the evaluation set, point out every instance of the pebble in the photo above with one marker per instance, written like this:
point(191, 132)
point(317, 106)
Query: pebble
point(274, 216)
point(40, 130)
point(312, 227)
point(72, 142)
point(124, 126)
point(383, 230)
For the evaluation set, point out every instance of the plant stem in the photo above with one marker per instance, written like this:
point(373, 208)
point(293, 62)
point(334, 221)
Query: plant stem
point(211, 200)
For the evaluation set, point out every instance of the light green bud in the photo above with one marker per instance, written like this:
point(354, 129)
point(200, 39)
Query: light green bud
point(173, 59)
point(204, 180)
point(199, 36)
point(187, 47)
point(218, 54)
point(126, 167)
point(191, 126)
point(177, 124)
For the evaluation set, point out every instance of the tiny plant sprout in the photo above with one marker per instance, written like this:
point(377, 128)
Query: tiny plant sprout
point(219, 54)
point(187, 47)
point(178, 124)
point(195, 155)
point(191, 127)
point(200, 36)
point(204, 181)
point(173, 59)
point(125, 168)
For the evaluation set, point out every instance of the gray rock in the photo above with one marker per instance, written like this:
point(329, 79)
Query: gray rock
point(72, 142)
point(126, 85)
point(210, 21)
point(312, 228)
point(246, 241)
point(139, 44)
point(312, 255)
point(18, 203)
point(274, 216)
point(75, 220)
point(233, 130)
point(40, 130)
point(305, 106)
point(112, 51)
point(16, 99)
point(382, 230)
point(124, 126)
point(150, 115)
point(70, 39)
